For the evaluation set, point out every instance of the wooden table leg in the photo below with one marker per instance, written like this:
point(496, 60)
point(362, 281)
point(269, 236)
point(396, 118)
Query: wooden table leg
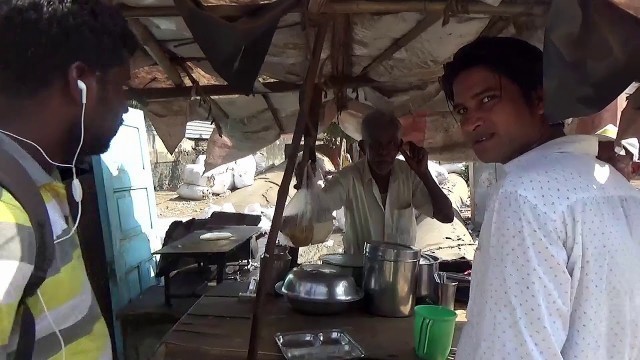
point(221, 264)
point(167, 290)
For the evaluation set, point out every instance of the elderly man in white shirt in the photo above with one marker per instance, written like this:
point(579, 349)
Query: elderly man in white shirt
point(380, 192)
point(554, 276)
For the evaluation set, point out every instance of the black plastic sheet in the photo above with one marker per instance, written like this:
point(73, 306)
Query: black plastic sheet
point(591, 55)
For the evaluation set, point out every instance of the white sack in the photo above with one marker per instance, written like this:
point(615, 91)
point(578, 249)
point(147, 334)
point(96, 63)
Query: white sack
point(193, 192)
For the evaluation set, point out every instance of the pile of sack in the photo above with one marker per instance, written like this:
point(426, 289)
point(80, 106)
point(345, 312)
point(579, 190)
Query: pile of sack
point(198, 185)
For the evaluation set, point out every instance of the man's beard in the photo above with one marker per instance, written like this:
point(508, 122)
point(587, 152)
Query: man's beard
point(91, 146)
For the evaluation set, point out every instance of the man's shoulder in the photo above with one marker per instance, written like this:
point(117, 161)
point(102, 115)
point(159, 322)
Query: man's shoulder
point(563, 180)
point(11, 212)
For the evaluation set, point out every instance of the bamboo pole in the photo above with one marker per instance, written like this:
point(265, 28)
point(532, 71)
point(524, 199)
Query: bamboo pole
point(283, 191)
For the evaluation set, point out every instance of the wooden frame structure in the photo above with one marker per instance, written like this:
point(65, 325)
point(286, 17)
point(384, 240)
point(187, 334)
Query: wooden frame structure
point(320, 17)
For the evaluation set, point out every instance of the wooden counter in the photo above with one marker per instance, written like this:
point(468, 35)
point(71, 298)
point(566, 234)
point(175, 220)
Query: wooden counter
point(218, 325)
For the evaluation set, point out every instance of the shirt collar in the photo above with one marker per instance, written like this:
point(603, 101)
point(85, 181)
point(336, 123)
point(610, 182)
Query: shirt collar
point(39, 176)
point(571, 144)
point(366, 172)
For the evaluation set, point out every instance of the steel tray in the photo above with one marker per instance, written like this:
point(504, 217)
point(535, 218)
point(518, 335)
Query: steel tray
point(318, 345)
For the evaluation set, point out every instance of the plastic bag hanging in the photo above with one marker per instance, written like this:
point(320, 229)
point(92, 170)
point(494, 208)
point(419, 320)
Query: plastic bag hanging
point(306, 219)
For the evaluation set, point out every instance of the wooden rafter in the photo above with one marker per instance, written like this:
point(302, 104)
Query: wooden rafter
point(404, 40)
point(157, 52)
point(341, 55)
point(207, 99)
point(274, 112)
point(169, 93)
point(283, 191)
point(351, 7)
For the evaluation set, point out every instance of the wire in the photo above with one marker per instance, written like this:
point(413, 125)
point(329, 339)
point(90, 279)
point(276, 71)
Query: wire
point(44, 307)
point(77, 195)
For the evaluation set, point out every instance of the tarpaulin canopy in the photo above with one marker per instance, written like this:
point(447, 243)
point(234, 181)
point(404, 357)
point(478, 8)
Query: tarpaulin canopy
point(383, 54)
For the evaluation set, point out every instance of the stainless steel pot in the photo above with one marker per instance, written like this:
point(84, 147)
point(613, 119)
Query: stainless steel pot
point(426, 286)
point(390, 278)
point(281, 263)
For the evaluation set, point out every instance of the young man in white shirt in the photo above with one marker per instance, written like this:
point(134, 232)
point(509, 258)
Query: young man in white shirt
point(554, 274)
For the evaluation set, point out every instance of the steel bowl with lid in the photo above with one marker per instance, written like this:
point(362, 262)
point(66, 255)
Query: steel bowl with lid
point(351, 264)
point(319, 289)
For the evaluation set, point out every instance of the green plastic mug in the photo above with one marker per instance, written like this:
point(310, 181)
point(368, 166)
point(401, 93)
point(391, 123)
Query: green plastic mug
point(433, 331)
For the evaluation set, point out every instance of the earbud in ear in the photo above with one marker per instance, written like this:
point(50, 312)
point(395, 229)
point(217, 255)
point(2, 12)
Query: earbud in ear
point(83, 89)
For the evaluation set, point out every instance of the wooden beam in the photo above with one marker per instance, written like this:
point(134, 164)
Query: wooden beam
point(207, 99)
point(232, 12)
point(168, 93)
point(149, 42)
point(404, 40)
point(341, 55)
point(171, 93)
point(473, 8)
point(274, 112)
point(283, 190)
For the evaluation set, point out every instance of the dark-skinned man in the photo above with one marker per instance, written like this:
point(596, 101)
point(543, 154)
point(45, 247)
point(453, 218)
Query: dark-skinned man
point(64, 68)
point(380, 193)
point(553, 275)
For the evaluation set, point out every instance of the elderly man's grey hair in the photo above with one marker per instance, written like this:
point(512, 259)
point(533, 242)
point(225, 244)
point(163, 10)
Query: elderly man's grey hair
point(379, 119)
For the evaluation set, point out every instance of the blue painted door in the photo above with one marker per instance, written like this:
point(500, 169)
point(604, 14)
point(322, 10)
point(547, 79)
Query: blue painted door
point(128, 212)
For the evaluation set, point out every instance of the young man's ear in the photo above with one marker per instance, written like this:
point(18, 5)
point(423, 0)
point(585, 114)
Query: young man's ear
point(539, 102)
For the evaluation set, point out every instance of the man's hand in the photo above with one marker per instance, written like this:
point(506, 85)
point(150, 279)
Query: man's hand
point(301, 167)
point(416, 157)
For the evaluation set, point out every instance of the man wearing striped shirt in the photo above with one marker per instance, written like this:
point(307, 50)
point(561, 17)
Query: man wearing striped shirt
point(47, 47)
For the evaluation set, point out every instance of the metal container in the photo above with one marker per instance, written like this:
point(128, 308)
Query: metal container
point(390, 278)
point(318, 345)
point(281, 263)
point(446, 290)
point(426, 286)
point(319, 289)
point(351, 264)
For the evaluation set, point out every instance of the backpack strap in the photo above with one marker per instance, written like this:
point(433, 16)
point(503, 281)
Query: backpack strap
point(19, 183)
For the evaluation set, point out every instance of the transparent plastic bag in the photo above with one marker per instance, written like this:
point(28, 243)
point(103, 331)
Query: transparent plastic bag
point(306, 219)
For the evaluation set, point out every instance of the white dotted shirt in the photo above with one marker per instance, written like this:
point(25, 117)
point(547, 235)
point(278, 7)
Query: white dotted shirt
point(555, 275)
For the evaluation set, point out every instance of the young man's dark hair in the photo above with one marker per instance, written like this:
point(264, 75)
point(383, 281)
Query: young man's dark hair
point(47, 46)
point(64, 69)
point(515, 59)
point(494, 86)
point(41, 39)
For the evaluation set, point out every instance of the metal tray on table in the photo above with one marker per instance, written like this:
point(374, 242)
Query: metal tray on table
point(318, 345)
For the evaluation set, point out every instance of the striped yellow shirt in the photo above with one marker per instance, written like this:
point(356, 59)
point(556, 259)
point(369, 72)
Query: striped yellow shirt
point(66, 292)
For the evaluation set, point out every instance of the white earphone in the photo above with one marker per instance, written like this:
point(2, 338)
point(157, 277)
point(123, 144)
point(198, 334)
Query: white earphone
point(76, 191)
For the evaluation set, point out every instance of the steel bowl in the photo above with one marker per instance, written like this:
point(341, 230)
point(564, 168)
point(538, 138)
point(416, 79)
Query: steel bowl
point(350, 264)
point(319, 289)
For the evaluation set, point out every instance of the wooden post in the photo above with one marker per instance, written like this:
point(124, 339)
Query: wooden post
point(283, 191)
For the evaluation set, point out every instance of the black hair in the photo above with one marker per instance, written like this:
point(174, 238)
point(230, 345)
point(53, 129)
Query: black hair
point(375, 117)
point(512, 58)
point(41, 39)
